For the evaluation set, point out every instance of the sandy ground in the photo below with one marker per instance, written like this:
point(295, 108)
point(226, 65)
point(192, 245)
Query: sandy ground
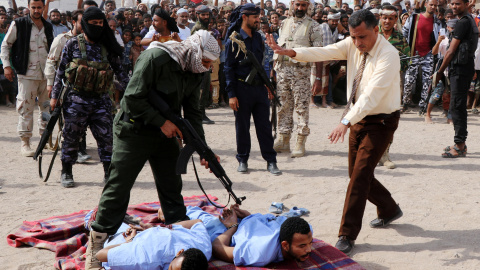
point(439, 197)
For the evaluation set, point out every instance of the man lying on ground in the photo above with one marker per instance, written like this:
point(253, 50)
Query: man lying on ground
point(257, 240)
point(184, 245)
point(240, 237)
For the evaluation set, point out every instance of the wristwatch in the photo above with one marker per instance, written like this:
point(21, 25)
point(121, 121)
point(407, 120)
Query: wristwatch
point(318, 78)
point(345, 121)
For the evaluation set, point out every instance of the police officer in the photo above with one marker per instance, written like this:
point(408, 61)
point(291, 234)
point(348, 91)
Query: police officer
point(293, 78)
point(173, 71)
point(248, 99)
point(87, 63)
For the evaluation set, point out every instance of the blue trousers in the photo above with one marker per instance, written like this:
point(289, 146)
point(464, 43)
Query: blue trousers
point(253, 101)
point(80, 112)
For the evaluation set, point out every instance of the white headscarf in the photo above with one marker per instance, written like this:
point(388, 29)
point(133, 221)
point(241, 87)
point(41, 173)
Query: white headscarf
point(190, 52)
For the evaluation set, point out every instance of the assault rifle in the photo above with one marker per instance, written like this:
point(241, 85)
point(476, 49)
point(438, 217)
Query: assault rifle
point(52, 119)
point(257, 69)
point(193, 144)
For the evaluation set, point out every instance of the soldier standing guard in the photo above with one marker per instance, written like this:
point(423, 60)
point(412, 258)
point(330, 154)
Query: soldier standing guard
point(88, 63)
point(293, 77)
point(26, 44)
point(245, 99)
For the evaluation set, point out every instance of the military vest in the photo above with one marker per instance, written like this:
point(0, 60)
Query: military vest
point(89, 77)
point(294, 39)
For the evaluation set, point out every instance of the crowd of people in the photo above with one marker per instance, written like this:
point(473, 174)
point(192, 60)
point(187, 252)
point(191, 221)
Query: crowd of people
point(106, 64)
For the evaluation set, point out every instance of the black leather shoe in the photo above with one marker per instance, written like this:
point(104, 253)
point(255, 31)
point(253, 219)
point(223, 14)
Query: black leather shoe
point(345, 245)
point(381, 223)
point(242, 167)
point(207, 121)
point(273, 169)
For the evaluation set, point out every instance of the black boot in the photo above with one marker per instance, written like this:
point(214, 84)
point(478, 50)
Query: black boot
point(106, 167)
point(67, 175)
point(82, 150)
point(206, 120)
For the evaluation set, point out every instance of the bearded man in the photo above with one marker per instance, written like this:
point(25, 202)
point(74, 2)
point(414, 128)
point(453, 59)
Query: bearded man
point(294, 88)
point(174, 71)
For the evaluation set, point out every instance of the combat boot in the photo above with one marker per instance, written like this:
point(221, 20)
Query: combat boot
point(95, 244)
point(299, 150)
point(385, 160)
point(25, 149)
point(106, 166)
point(282, 143)
point(67, 175)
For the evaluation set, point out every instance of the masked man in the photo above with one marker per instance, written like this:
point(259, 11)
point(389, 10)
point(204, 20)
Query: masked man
point(88, 64)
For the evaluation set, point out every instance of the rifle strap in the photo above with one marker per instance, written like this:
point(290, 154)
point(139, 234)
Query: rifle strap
point(56, 147)
point(201, 187)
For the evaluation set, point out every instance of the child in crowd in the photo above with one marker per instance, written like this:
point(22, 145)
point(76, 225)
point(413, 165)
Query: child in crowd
point(136, 49)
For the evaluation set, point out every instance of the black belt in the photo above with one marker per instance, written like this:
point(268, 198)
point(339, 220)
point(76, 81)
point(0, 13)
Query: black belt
point(254, 83)
point(383, 115)
point(126, 118)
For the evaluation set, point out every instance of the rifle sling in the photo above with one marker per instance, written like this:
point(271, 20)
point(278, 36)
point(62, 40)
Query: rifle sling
point(201, 187)
point(56, 147)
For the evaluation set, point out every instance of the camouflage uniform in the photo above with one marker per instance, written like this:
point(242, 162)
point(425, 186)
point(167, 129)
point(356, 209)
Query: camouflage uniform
point(293, 81)
point(399, 42)
point(81, 109)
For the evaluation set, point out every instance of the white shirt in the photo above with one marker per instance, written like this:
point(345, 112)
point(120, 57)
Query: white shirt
point(477, 56)
point(184, 33)
point(379, 89)
point(55, 55)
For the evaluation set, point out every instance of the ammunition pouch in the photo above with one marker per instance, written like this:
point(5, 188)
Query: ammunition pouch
point(89, 76)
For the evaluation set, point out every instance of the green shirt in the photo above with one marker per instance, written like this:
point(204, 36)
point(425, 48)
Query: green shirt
point(196, 27)
point(155, 70)
point(399, 42)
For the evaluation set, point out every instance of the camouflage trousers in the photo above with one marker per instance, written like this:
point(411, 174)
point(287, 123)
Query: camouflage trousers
point(294, 91)
point(80, 112)
point(426, 64)
point(28, 90)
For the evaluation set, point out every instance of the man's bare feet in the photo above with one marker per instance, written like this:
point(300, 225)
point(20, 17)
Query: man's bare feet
point(428, 119)
point(161, 217)
point(449, 121)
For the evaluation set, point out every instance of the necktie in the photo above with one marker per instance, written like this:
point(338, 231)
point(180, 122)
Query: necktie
point(356, 82)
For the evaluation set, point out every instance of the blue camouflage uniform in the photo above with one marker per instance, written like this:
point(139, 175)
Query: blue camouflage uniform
point(81, 110)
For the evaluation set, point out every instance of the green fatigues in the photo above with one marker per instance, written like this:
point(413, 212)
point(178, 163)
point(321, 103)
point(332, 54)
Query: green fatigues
point(399, 42)
point(133, 145)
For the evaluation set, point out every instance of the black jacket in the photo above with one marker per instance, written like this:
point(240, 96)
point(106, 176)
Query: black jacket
point(21, 47)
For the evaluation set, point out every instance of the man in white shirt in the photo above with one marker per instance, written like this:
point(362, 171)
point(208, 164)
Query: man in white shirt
point(372, 118)
point(182, 23)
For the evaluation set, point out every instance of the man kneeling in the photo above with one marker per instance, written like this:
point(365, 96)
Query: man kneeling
point(186, 245)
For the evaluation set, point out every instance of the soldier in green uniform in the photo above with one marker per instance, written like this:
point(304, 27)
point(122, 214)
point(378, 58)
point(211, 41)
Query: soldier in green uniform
point(141, 133)
point(388, 19)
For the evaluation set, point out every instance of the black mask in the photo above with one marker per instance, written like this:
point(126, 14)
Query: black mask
point(93, 32)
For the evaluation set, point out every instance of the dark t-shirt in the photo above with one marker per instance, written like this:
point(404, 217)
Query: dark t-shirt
point(462, 29)
point(462, 32)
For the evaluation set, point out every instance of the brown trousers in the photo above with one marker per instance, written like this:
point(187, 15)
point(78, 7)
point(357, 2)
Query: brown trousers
point(368, 140)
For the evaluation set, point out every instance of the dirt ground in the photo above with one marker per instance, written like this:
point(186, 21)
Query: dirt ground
point(439, 197)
